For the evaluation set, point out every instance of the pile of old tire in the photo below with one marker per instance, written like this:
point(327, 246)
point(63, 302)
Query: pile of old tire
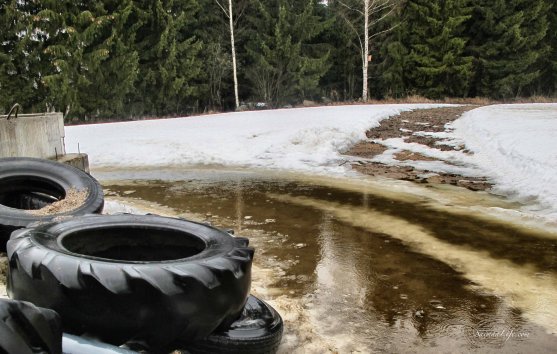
point(257, 331)
point(161, 283)
point(29, 184)
point(27, 329)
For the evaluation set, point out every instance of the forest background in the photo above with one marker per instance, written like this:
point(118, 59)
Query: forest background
point(127, 59)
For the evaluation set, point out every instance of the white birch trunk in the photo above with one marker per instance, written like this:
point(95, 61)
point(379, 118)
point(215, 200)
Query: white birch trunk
point(230, 17)
point(365, 51)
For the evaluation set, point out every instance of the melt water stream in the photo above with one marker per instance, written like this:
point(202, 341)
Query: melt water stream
point(363, 266)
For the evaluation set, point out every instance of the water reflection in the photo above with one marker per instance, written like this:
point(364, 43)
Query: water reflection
point(380, 275)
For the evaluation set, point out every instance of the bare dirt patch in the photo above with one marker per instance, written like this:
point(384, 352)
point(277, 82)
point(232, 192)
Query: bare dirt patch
point(367, 149)
point(420, 120)
point(403, 126)
point(413, 156)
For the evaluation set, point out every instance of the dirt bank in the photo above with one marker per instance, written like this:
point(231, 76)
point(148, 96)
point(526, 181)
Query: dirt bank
point(404, 126)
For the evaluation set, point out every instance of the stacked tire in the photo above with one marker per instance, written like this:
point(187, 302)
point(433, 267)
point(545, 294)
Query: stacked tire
point(257, 331)
point(154, 282)
point(28, 185)
point(27, 329)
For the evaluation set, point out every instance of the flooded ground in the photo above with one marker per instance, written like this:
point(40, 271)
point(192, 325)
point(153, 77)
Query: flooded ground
point(365, 268)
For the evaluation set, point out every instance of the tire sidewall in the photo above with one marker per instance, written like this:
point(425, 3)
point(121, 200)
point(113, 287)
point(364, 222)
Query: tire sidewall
point(154, 302)
point(67, 177)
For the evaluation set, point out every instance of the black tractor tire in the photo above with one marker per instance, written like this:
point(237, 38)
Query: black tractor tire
point(28, 184)
point(147, 279)
point(257, 331)
point(27, 329)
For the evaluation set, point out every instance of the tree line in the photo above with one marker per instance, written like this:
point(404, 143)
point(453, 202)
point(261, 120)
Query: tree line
point(105, 59)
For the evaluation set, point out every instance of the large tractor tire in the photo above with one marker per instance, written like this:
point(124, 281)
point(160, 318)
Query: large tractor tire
point(27, 185)
point(147, 279)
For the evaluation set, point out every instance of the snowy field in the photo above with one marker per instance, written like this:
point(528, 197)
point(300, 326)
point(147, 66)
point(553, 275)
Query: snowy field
point(307, 139)
point(517, 146)
point(514, 145)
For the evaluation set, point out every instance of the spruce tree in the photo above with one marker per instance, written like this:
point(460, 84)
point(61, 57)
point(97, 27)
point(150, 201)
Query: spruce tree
point(391, 56)
point(9, 18)
point(343, 81)
point(92, 65)
point(552, 42)
point(212, 28)
point(548, 64)
point(114, 78)
point(437, 65)
point(286, 65)
point(392, 77)
point(507, 43)
point(168, 57)
point(20, 57)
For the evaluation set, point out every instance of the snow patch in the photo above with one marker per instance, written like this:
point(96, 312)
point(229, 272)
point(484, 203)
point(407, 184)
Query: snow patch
point(451, 162)
point(516, 146)
point(513, 145)
point(305, 139)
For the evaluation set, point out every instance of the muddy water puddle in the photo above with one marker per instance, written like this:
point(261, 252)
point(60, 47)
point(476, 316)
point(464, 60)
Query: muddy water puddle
point(363, 271)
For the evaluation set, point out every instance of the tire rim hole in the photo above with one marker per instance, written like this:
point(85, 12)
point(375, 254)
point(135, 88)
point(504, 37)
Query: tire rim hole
point(136, 244)
point(29, 192)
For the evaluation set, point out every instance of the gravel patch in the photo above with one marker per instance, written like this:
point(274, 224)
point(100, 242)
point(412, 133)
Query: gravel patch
point(74, 198)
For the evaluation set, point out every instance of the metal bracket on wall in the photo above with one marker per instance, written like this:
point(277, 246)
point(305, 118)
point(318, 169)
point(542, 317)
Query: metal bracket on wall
point(15, 108)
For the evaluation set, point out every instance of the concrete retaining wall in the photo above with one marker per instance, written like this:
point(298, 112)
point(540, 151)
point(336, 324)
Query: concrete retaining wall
point(80, 161)
point(32, 135)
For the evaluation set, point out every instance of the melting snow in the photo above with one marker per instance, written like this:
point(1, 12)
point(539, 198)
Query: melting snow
point(306, 139)
point(514, 145)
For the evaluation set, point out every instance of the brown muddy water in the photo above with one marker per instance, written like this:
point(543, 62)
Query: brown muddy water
point(355, 266)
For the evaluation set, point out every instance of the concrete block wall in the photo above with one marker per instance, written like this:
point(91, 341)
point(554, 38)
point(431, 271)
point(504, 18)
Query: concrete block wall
point(32, 135)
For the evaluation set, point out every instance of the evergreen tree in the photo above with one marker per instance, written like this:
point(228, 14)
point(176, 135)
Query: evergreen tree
point(552, 42)
point(548, 64)
point(392, 78)
point(20, 57)
point(438, 66)
point(343, 81)
point(391, 56)
point(212, 28)
point(115, 76)
point(507, 43)
point(286, 65)
point(169, 60)
point(92, 65)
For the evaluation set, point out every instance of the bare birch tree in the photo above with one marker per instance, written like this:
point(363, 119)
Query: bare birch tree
point(231, 22)
point(360, 16)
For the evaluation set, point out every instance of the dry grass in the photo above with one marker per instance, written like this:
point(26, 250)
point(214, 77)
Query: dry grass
point(535, 99)
point(3, 268)
point(477, 101)
point(414, 99)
